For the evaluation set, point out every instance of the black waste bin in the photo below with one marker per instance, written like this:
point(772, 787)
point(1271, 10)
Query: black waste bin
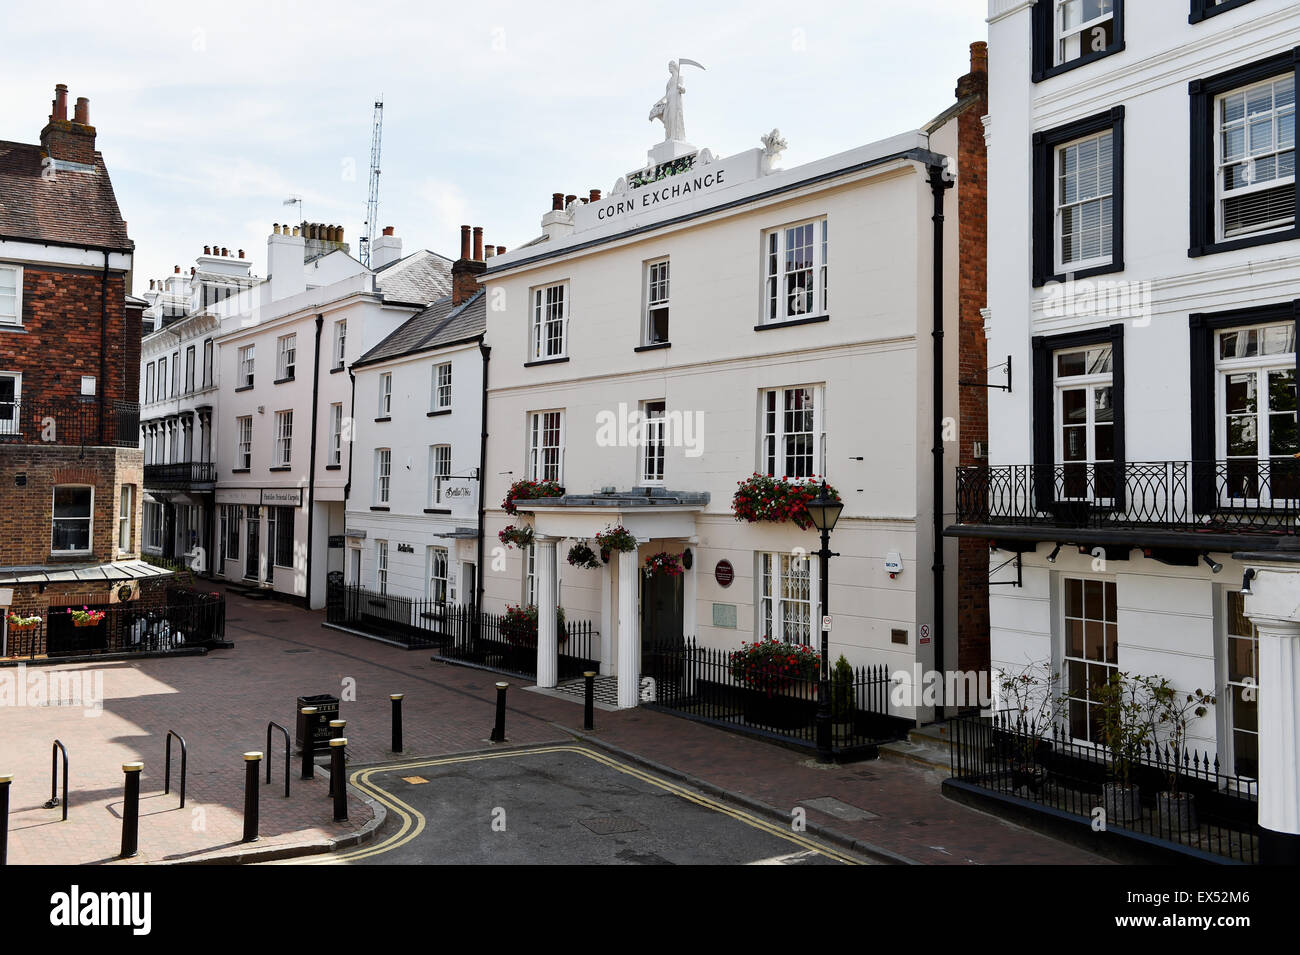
point(327, 708)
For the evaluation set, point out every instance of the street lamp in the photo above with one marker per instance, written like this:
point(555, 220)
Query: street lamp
point(824, 511)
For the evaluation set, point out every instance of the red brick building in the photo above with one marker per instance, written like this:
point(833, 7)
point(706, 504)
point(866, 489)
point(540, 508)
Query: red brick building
point(70, 468)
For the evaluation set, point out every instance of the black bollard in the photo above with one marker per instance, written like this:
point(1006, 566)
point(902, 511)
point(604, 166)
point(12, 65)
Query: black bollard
point(5, 780)
point(252, 770)
point(131, 810)
point(499, 731)
point(309, 743)
point(336, 732)
point(589, 701)
point(397, 721)
point(338, 783)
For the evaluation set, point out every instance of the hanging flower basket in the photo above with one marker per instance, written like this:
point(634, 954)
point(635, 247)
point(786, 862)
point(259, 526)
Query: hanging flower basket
point(17, 622)
point(581, 555)
point(761, 497)
point(663, 564)
point(527, 491)
point(85, 617)
point(512, 536)
point(612, 539)
point(519, 625)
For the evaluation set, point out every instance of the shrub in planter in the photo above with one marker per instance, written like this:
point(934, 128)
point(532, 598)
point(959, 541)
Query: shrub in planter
point(527, 491)
point(663, 564)
point(617, 538)
point(581, 555)
point(1127, 705)
point(513, 536)
point(773, 666)
point(761, 497)
point(1173, 710)
point(519, 625)
point(842, 700)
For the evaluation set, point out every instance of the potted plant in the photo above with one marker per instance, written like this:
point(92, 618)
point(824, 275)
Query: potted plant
point(1032, 709)
point(1127, 705)
point(512, 536)
point(19, 622)
point(85, 617)
point(616, 538)
point(528, 491)
point(663, 564)
point(761, 497)
point(581, 555)
point(843, 702)
point(1173, 711)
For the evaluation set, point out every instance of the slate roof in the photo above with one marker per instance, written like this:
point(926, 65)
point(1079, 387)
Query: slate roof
point(438, 325)
point(76, 207)
point(419, 278)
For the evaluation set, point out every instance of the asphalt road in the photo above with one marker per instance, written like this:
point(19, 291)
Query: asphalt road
point(564, 804)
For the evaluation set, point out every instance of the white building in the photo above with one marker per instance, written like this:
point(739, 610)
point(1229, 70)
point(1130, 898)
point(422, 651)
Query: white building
point(178, 389)
point(761, 319)
point(1145, 280)
point(283, 454)
point(412, 513)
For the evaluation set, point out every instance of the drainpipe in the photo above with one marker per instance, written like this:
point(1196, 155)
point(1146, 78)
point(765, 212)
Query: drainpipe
point(103, 350)
point(352, 416)
point(940, 183)
point(486, 352)
point(311, 466)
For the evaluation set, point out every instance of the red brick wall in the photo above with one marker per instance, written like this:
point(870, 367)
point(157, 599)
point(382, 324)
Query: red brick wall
point(972, 166)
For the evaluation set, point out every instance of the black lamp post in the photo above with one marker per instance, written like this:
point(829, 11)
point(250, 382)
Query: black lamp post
point(824, 511)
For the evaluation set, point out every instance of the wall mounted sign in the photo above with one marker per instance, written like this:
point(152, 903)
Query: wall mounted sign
point(688, 559)
point(291, 496)
point(724, 573)
point(405, 549)
point(336, 540)
point(724, 615)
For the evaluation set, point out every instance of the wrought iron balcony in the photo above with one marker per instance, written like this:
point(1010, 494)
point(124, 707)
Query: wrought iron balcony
point(69, 421)
point(180, 475)
point(1242, 496)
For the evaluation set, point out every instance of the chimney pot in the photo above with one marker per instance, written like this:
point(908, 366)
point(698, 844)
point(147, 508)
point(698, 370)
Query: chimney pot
point(191, 270)
point(241, 253)
point(501, 250)
point(388, 230)
point(81, 112)
point(60, 102)
point(207, 250)
point(340, 233)
point(568, 200)
point(594, 195)
point(478, 243)
point(295, 230)
point(464, 241)
point(557, 201)
point(151, 281)
point(225, 253)
point(277, 229)
point(488, 252)
point(177, 269)
point(979, 57)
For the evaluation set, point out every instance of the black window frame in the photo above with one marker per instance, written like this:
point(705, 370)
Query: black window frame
point(1044, 348)
point(1045, 144)
point(1204, 9)
point(1044, 37)
point(1203, 230)
point(1202, 326)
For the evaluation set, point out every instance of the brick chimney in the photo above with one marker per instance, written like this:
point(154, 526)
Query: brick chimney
point(69, 141)
point(466, 269)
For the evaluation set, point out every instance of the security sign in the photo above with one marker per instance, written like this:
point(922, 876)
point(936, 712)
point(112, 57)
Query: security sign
point(924, 632)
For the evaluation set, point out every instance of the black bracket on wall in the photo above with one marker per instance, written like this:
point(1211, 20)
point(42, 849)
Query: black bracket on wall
point(1006, 370)
point(1018, 582)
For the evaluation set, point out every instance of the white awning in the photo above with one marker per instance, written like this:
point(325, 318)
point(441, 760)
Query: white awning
point(118, 570)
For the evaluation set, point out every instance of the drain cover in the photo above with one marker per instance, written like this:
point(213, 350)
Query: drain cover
point(839, 809)
point(610, 825)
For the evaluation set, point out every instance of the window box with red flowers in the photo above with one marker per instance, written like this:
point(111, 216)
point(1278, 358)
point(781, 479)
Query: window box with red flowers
point(18, 622)
point(761, 497)
point(516, 536)
point(85, 617)
point(663, 564)
point(529, 491)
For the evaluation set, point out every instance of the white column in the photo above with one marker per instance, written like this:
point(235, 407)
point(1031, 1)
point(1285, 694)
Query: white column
point(607, 622)
point(548, 645)
point(629, 632)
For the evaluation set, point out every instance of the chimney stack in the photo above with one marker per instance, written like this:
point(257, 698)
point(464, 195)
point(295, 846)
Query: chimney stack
point(69, 141)
point(385, 249)
point(466, 270)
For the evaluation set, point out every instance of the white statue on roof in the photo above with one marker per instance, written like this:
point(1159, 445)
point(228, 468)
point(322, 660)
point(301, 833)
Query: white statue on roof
point(669, 109)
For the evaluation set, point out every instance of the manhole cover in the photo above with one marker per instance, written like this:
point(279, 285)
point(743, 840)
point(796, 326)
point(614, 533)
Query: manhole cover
point(610, 825)
point(839, 809)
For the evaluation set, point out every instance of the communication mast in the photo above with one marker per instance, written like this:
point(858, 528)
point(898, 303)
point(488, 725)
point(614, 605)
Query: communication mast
point(372, 203)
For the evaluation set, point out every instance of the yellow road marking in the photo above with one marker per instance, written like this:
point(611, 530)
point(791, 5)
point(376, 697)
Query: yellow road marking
point(413, 821)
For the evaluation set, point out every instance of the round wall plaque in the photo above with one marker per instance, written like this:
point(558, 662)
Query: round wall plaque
point(724, 573)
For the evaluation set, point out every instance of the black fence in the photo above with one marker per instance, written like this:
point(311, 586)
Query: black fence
point(182, 618)
point(1214, 814)
point(702, 683)
point(459, 631)
point(179, 474)
point(1230, 495)
point(70, 421)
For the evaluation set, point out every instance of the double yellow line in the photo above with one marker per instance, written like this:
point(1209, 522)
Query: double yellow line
point(413, 821)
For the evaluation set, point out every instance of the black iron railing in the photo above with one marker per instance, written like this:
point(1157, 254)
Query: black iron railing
point(180, 474)
point(178, 619)
point(1215, 814)
point(702, 683)
point(1229, 496)
point(460, 631)
point(70, 421)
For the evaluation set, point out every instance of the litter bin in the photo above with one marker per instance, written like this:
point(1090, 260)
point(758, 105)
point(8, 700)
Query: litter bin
point(327, 708)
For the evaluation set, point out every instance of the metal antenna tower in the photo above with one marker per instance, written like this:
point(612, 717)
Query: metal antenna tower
point(372, 203)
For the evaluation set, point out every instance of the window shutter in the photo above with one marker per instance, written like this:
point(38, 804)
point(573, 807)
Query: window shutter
point(1044, 464)
point(1201, 357)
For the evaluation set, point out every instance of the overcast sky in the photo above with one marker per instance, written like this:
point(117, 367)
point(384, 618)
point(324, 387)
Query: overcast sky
point(210, 116)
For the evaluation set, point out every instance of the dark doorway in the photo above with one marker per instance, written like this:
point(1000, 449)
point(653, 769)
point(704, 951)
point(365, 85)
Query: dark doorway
point(661, 613)
point(252, 546)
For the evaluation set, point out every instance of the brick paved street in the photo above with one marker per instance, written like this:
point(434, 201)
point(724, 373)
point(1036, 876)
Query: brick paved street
point(222, 702)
